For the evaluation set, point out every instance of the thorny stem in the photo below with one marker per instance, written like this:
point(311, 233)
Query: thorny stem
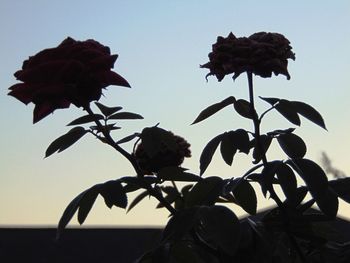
point(110, 141)
point(260, 149)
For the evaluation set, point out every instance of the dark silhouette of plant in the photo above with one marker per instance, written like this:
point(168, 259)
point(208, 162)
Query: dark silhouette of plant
point(329, 168)
point(201, 228)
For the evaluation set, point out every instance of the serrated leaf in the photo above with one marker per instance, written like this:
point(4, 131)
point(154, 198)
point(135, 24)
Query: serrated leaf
point(205, 192)
point(292, 145)
point(317, 183)
point(244, 109)
point(125, 116)
point(309, 113)
point(245, 195)
point(86, 119)
point(114, 194)
point(227, 148)
point(86, 203)
point(175, 173)
point(137, 200)
point(341, 187)
point(288, 181)
point(211, 110)
point(208, 152)
point(271, 101)
point(128, 138)
point(106, 111)
point(287, 110)
point(65, 141)
point(220, 226)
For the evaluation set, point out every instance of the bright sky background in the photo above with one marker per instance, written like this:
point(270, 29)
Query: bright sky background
point(161, 45)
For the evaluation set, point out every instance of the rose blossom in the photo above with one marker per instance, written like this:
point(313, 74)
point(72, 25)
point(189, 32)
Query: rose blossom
point(262, 54)
point(164, 157)
point(73, 72)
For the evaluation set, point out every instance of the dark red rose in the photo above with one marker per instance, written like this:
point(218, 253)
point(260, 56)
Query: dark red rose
point(262, 54)
point(164, 157)
point(73, 72)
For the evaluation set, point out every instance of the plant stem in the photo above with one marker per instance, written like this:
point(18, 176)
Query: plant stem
point(260, 149)
point(110, 141)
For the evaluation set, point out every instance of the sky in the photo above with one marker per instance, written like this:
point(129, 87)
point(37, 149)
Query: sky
point(160, 46)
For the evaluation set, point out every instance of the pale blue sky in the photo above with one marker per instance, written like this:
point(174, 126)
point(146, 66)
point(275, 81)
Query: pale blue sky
point(160, 46)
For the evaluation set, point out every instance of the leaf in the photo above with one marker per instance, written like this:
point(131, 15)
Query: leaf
point(86, 119)
point(205, 192)
point(72, 208)
point(309, 113)
point(279, 132)
point(180, 224)
point(171, 195)
point(265, 142)
point(245, 195)
point(86, 203)
point(134, 183)
point(221, 227)
point(125, 116)
point(241, 140)
point(317, 183)
point(227, 148)
point(300, 194)
point(288, 181)
point(272, 101)
point(128, 138)
point(287, 109)
point(208, 152)
point(267, 176)
point(244, 109)
point(65, 141)
point(175, 173)
point(292, 145)
point(114, 194)
point(209, 111)
point(108, 128)
point(106, 111)
point(341, 187)
point(137, 200)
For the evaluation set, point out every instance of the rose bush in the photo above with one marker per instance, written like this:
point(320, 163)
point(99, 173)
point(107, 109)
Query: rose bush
point(73, 72)
point(262, 54)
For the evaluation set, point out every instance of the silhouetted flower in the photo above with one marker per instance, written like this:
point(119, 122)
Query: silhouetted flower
point(73, 72)
point(262, 54)
point(164, 157)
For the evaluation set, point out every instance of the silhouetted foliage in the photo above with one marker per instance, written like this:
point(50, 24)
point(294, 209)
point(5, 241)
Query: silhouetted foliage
point(203, 226)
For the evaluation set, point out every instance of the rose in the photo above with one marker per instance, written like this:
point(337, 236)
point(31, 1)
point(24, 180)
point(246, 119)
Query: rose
point(165, 156)
point(262, 54)
point(73, 72)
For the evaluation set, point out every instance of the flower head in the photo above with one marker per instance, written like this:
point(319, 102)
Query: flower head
point(73, 72)
point(262, 54)
point(165, 156)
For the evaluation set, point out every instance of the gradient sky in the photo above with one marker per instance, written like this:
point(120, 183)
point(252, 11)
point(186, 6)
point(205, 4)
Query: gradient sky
point(161, 45)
